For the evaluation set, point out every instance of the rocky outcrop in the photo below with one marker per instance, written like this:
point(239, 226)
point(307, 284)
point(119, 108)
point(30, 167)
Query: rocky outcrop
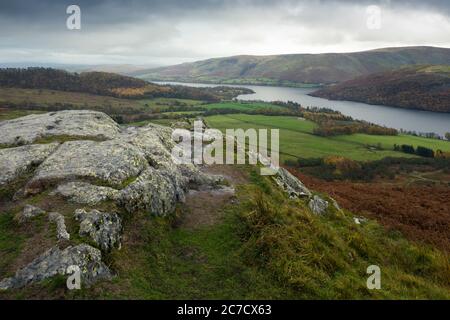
point(104, 228)
point(61, 230)
point(154, 141)
point(85, 193)
point(109, 162)
point(56, 262)
point(318, 205)
point(154, 191)
point(132, 167)
point(80, 123)
point(29, 212)
point(296, 189)
point(293, 186)
point(15, 162)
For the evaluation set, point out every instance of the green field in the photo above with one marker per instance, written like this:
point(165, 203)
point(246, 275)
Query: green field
point(242, 106)
point(162, 104)
point(297, 140)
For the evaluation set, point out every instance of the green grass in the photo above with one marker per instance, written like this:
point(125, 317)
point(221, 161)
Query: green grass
point(162, 104)
point(177, 263)
point(11, 241)
point(64, 138)
point(387, 142)
point(326, 257)
point(297, 140)
point(241, 106)
point(266, 247)
point(8, 114)
point(163, 122)
point(271, 247)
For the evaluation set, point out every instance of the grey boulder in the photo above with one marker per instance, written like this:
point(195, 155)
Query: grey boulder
point(154, 191)
point(56, 262)
point(289, 183)
point(318, 205)
point(85, 193)
point(104, 228)
point(28, 213)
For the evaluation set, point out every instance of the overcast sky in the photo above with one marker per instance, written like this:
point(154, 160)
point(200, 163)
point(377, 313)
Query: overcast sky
point(168, 32)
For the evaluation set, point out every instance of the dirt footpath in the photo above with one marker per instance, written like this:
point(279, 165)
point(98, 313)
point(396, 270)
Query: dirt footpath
point(204, 207)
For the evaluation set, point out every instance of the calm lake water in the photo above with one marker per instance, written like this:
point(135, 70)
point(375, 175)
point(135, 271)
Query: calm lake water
point(413, 120)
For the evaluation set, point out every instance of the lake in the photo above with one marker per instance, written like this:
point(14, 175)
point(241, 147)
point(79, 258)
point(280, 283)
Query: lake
point(407, 119)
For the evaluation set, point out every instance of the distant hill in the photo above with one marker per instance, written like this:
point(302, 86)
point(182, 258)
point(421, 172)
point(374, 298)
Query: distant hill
point(418, 87)
point(48, 78)
point(124, 69)
point(108, 84)
point(297, 69)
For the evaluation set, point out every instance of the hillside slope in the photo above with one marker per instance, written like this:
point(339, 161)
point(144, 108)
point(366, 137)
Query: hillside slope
point(419, 87)
point(107, 84)
point(78, 189)
point(295, 69)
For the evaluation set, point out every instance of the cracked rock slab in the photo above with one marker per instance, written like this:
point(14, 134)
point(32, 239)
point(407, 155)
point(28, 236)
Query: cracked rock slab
point(110, 162)
point(15, 162)
point(154, 191)
point(85, 193)
point(56, 262)
point(75, 123)
point(104, 228)
point(155, 142)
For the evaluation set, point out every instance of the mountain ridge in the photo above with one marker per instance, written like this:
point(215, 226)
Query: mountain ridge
point(297, 69)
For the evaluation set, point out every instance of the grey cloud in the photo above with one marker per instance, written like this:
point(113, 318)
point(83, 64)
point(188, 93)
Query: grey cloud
point(169, 31)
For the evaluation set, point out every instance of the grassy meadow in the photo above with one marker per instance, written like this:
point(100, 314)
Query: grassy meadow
point(297, 140)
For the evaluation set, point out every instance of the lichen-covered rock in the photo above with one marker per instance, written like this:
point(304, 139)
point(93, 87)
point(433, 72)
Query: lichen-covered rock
point(112, 162)
point(104, 228)
point(85, 193)
point(14, 162)
point(28, 213)
point(61, 230)
point(136, 164)
point(56, 262)
point(154, 141)
point(318, 205)
point(293, 186)
point(154, 191)
point(75, 123)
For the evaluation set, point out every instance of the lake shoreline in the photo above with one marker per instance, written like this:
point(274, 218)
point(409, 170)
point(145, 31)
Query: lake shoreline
point(374, 104)
point(410, 120)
